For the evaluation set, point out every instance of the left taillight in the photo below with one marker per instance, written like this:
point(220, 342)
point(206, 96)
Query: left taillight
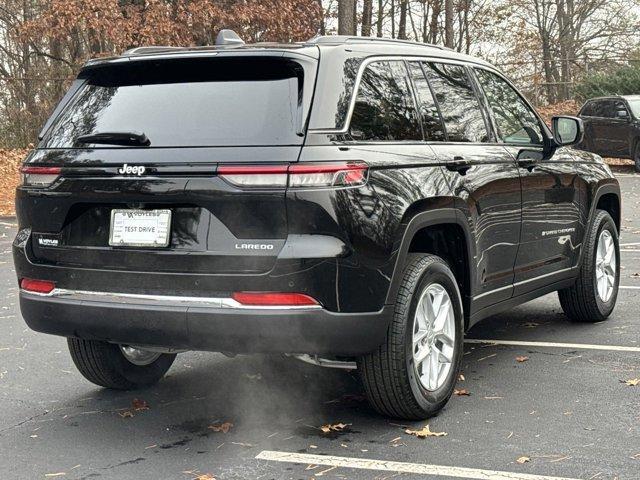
point(39, 176)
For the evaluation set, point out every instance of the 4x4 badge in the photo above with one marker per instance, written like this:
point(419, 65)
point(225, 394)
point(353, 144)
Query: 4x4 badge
point(131, 170)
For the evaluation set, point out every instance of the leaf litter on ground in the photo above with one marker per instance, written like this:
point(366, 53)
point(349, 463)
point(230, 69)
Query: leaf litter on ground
point(424, 432)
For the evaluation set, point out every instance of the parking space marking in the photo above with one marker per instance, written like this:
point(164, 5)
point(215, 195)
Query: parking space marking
point(399, 467)
point(633, 244)
point(575, 346)
point(629, 287)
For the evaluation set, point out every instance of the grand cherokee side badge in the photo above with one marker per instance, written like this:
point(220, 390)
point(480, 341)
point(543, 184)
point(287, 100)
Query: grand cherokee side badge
point(131, 170)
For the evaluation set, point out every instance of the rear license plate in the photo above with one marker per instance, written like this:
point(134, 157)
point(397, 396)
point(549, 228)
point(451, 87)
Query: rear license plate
point(140, 228)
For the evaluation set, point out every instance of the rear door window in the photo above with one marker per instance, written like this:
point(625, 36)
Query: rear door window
point(516, 121)
point(458, 102)
point(187, 103)
point(384, 109)
point(429, 113)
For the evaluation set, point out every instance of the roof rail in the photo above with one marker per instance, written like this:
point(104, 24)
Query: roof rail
point(152, 49)
point(342, 39)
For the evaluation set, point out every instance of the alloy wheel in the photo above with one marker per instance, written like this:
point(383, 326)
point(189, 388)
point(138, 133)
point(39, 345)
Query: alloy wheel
point(605, 265)
point(434, 332)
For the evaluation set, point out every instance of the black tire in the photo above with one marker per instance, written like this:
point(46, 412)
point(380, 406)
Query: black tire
point(105, 365)
point(636, 156)
point(581, 302)
point(388, 374)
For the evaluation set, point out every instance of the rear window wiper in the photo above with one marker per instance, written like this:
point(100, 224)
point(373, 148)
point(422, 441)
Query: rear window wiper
point(115, 138)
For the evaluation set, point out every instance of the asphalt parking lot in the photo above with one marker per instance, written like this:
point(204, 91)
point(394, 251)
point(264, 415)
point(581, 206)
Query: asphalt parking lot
point(566, 411)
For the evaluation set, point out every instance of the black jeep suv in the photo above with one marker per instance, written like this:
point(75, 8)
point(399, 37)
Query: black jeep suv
point(351, 201)
point(612, 127)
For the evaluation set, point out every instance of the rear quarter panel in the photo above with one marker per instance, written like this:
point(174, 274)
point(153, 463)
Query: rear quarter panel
point(404, 179)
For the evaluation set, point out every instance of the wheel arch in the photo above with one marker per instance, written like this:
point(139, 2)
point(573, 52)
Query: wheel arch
point(606, 197)
point(440, 232)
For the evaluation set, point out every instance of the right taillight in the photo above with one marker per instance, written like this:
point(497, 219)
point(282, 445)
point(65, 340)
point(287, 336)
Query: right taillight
point(39, 176)
point(297, 176)
point(330, 174)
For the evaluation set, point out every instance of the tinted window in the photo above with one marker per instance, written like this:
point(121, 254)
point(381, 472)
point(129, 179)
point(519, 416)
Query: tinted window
point(188, 103)
point(598, 108)
point(458, 102)
point(588, 109)
point(384, 108)
point(431, 121)
point(610, 108)
point(516, 122)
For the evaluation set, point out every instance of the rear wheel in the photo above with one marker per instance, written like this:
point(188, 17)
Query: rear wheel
point(413, 373)
point(636, 156)
point(118, 366)
point(593, 296)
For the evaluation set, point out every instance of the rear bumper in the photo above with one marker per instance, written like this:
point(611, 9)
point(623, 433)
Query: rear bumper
point(203, 324)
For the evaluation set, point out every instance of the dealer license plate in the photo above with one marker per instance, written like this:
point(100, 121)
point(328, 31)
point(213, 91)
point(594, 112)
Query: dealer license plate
point(140, 228)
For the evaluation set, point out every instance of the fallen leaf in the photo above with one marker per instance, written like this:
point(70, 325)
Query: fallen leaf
point(461, 378)
point(634, 382)
point(530, 325)
point(461, 392)
point(205, 476)
point(334, 427)
point(522, 358)
point(425, 432)
point(523, 460)
point(59, 474)
point(221, 427)
point(126, 414)
point(139, 405)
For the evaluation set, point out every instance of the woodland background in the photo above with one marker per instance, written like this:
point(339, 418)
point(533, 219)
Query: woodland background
point(558, 52)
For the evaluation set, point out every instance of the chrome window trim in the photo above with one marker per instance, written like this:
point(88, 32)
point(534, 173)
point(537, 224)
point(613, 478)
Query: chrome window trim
point(165, 300)
point(377, 58)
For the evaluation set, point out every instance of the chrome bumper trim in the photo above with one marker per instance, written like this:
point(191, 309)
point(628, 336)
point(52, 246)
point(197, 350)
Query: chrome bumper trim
point(162, 300)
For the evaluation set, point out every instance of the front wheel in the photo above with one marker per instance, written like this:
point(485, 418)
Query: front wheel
point(413, 373)
point(120, 367)
point(593, 296)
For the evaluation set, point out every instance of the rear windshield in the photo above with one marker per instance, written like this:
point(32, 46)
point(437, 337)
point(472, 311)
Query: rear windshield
point(187, 102)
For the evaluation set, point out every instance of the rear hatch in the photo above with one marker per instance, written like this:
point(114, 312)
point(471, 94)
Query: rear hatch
point(152, 149)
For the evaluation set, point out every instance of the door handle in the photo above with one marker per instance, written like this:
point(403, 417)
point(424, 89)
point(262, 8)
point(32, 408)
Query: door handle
point(458, 164)
point(528, 163)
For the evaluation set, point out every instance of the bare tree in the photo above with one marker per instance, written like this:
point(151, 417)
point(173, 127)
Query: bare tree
point(346, 17)
point(448, 23)
point(367, 14)
point(402, 25)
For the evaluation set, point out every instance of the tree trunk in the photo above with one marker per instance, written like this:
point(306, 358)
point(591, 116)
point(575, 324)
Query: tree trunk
point(367, 11)
point(346, 17)
point(402, 25)
point(433, 27)
point(448, 23)
point(393, 19)
point(380, 18)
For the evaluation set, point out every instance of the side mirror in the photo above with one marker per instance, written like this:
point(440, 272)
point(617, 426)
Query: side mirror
point(567, 130)
point(622, 115)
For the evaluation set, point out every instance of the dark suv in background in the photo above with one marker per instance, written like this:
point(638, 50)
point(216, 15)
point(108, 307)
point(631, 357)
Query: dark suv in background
point(352, 201)
point(612, 127)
